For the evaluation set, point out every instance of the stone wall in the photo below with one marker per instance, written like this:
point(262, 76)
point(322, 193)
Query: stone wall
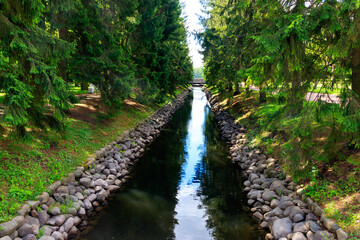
point(276, 202)
point(60, 212)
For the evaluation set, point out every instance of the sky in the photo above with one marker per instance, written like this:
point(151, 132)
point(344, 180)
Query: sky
point(192, 8)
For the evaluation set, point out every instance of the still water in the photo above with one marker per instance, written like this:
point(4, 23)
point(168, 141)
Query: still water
point(184, 187)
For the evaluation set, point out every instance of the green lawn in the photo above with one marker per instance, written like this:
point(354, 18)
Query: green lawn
point(27, 167)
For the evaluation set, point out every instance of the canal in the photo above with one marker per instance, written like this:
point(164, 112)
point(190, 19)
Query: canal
point(184, 187)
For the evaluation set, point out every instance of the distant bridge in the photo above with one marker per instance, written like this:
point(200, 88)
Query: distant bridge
point(198, 82)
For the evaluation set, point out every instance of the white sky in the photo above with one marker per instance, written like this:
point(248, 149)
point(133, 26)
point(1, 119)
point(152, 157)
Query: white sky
point(192, 9)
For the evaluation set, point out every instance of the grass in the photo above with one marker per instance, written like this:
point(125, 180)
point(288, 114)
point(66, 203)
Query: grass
point(2, 97)
point(27, 167)
point(320, 88)
point(77, 90)
point(330, 172)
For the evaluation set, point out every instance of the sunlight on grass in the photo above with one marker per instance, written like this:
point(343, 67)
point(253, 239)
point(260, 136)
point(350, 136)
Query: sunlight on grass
point(28, 167)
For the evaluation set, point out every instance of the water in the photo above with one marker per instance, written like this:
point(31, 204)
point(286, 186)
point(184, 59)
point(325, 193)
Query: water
point(184, 187)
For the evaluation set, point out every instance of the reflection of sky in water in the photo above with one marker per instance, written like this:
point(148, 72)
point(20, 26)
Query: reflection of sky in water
point(191, 217)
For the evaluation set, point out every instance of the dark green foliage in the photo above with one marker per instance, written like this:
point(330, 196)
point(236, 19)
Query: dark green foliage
point(28, 67)
point(119, 46)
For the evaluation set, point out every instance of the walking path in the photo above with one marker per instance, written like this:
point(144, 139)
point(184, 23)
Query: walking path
point(311, 96)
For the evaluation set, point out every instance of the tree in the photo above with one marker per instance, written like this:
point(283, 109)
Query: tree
point(28, 67)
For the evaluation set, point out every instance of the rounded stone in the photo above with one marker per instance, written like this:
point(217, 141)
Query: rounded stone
point(298, 236)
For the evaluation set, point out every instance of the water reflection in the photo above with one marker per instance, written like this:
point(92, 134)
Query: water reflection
point(183, 188)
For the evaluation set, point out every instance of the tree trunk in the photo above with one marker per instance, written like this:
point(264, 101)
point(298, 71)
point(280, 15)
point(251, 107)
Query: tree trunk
point(63, 31)
point(333, 76)
point(296, 98)
point(262, 98)
point(355, 61)
point(355, 75)
point(237, 89)
point(84, 85)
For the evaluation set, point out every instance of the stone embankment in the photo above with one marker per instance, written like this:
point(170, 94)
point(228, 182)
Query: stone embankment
point(59, 213)
point(276, 202)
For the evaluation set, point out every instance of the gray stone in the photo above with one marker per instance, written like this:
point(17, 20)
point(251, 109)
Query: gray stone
point(247, 183)
point(265, 208)
point(298, 236)
point(25, 229)
point(278, 187)
point(19, 220)
point(33, 204)
point(79, 196)
point(277, 212)
point(68, 224)
point(50, 202)
point(71, 211)
point(264, 225)
point(92, 197)
point(311, 216)
point(274, 203)
point(101, 183)
point(87, 204)
point(46, 238)
point(59, 197)
point(78, 173)
point(5, 238)
point(330, 225)
point(54, 186)
point(258, 216)
point(56, 220)
point(55, 211)
point(31, 220)
point(29, 237)
point(322, 235)
point(310, 235)
point(298, 218)
point(102, 195)
point(281, 227)
point(73, 232)
point(341, 235)
point(57, 235)
point(63, 190)
point(25, 209)
point(269, 195)
point(313, 226)
point(86, 182)
point(113, 188)
point(82, 211)
point(269, 236)
point(43, 217)
point(300, 227)
point(44, 197)
point(285, 204)
point(253, 176)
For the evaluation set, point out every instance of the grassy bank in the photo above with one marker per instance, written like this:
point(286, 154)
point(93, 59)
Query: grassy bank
point(316, 147)
point(28, 166)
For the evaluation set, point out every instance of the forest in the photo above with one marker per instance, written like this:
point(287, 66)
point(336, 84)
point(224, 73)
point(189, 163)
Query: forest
point(290, 71)
point(122, 47)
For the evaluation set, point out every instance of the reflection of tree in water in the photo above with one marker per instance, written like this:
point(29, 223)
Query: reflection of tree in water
point(221, 189)
point(145, 209)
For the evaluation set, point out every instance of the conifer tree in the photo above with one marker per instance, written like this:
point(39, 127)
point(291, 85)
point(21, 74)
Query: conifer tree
point(28, 67)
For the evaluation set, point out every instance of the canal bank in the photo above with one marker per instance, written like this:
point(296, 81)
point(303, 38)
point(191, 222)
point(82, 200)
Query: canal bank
point(66, 205)
point(183, 187)
point(277, 203)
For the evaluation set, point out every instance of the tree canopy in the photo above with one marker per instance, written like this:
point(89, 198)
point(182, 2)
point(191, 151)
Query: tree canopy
point(120, 46)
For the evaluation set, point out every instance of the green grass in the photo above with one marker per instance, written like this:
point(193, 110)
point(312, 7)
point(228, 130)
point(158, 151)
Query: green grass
point(28, 167)
point(2, 97)
point(320, 88)
point(77, 90)
point(302, 144)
